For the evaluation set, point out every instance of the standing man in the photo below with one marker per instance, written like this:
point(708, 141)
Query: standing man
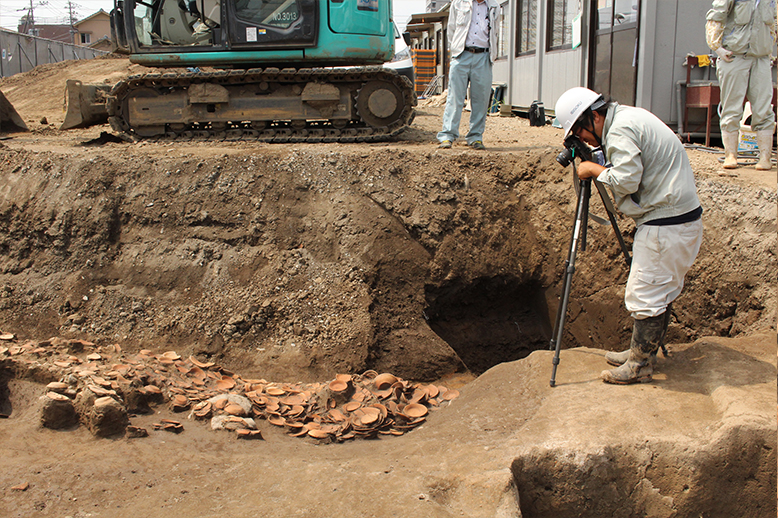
point(742, 33)
point(653, 183)
point(472, 33)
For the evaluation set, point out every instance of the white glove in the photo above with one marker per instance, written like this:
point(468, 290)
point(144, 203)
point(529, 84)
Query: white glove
point(724, 54)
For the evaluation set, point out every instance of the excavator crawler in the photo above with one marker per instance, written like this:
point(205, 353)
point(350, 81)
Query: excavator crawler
point(266, 70)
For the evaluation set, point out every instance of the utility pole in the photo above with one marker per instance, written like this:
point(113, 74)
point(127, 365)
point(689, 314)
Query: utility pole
point(29, 18)
point(72, 20)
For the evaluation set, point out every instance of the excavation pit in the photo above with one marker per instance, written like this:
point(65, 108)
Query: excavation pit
point(296, 262)
point(490, 321)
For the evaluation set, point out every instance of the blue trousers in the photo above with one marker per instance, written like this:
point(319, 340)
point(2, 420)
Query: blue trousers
point(475, 69)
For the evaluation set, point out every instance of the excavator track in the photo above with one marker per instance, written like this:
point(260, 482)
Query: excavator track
point(361, 104)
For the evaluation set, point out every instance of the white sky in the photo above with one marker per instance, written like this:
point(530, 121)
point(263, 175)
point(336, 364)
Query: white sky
point(56, 11)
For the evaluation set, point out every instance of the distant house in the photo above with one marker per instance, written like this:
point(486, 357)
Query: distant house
point(62, 32)
point(93, 31)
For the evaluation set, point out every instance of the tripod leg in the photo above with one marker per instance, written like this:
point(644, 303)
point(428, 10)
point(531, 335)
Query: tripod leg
point(609, 209)
point(581, 221)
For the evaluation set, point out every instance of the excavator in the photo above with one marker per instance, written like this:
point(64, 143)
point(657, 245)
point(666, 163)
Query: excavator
point(265, 70)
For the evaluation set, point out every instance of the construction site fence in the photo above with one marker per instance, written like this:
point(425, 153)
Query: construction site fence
point(22, 53)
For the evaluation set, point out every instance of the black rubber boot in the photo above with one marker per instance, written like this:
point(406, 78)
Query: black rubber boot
point(618, 358)
point(646, 339)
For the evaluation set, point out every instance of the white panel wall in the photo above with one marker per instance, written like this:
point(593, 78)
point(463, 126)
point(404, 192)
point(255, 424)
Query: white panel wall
point(561, 71)
point(524, 83)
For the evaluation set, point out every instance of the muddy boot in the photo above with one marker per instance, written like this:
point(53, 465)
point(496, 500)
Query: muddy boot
point(646, 339)
point(618, 358)
point(730, 140)
point(764, 140)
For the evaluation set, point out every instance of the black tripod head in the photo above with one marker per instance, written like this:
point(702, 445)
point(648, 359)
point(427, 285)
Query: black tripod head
point(574, 148)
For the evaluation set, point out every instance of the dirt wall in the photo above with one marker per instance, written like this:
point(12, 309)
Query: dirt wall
point(301, 262)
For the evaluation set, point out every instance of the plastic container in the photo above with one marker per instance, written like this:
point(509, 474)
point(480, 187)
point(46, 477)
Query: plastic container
point(747, 136)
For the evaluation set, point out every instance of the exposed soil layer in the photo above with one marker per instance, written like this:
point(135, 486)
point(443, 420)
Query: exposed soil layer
point(302, 261)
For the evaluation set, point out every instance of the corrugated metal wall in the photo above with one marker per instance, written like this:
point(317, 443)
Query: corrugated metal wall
point(22, 53)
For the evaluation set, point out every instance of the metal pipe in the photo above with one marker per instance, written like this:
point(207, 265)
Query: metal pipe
point(678, 98)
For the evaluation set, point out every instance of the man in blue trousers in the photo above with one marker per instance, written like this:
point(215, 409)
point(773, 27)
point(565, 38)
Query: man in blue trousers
point(472, 32)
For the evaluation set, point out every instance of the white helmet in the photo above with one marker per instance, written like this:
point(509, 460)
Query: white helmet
point(572, 104)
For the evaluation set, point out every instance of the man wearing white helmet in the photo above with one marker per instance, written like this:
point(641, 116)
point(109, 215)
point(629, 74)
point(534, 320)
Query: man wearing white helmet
point(742, 33)
point(652, 182)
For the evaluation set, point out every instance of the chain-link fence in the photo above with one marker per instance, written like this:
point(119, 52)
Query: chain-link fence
point(22, 53)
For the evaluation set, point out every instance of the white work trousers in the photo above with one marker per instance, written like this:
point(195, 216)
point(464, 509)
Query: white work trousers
point(661, 256)
point(746, 77)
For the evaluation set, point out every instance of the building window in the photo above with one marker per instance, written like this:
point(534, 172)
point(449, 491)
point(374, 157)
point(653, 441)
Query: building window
point(526, 26)
point(86, 38)
point(560, 23)
point(502, 34)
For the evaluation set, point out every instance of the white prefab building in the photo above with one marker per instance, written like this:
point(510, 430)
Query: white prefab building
point(639, 52)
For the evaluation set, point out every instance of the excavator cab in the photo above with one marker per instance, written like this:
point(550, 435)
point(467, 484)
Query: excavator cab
point(254, 33)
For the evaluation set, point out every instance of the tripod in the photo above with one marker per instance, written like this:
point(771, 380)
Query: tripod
point(579, 235)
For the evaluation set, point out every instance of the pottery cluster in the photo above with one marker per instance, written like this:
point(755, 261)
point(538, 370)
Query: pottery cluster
point(102, 388)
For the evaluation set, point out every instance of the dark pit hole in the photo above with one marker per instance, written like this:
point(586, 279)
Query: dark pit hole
point(6, 408)
point(491, 320)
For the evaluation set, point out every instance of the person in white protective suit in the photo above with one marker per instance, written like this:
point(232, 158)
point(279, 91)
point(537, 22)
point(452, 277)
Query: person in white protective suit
point(649, 175)
point(742, 33)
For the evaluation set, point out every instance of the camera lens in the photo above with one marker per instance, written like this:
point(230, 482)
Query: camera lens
point(564, 157)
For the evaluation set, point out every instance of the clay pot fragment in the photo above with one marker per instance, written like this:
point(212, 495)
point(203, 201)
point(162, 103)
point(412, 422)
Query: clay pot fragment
point(58, 387)
point(275, 391)
point(202, 365)
point(336, 415)
point(276, 420)
point(249, 434)
point(100, 391)
point(292, 400)
point(179, 403)
point(318, 434)
point(234, 409)
point(450, 394)
point(351, 406)
point(169, 425)
point(203, 410)
point(384, 381)
point(340, 391)
point(415, 410)
point(135, 432)
point(226, 383)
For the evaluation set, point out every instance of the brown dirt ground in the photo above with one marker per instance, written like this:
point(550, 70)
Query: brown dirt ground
point(297, 262)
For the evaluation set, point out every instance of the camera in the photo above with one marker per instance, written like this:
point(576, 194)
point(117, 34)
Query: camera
point(574, 148)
